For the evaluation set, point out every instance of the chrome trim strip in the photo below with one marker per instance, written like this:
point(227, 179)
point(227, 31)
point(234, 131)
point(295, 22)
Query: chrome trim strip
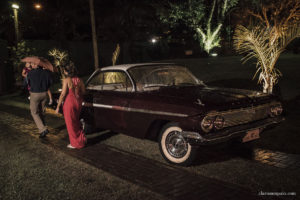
point(133, 109)
point(101, 106)
point(192, 135)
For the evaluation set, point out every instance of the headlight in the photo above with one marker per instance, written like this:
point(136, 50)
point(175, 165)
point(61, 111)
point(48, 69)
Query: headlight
point(219, 122)
point(275, 110)
point(210, 122)
point(207, 123)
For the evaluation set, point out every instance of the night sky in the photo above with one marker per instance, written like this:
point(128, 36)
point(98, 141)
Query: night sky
point(116, 20)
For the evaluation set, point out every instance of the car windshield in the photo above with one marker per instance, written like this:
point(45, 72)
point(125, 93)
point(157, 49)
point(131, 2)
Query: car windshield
point(154, 77)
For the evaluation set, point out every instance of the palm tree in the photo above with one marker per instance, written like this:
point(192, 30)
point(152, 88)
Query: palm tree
point(269, 38)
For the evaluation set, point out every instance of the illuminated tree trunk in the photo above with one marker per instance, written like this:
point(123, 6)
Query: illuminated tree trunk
point(268, 84)
point(211, 38)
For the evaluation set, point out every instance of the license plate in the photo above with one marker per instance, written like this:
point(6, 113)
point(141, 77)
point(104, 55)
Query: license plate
point(251, 135)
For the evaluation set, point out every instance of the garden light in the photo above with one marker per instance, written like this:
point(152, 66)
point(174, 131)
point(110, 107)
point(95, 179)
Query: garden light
point(15, 6)
point(153, 40)
point(37, 6)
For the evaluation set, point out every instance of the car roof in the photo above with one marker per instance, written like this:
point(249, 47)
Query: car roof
point(125, 67)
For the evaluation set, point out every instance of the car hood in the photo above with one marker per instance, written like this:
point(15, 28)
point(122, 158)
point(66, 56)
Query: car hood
point(214, 96)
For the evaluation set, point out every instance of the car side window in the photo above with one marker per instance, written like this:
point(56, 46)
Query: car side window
point(111, 80)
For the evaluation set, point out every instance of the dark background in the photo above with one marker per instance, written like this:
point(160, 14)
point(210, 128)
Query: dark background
point(66, 25)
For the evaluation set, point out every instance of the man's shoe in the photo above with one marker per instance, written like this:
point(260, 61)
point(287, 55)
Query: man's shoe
point(44, 133)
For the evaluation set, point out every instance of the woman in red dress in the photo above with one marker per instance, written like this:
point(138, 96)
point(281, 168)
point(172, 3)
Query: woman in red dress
point(72, 90)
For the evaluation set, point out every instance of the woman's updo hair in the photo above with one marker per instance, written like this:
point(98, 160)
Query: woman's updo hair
point(70, 69)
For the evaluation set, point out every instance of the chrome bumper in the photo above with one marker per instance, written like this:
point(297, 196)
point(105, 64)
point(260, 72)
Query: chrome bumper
point(195, 138)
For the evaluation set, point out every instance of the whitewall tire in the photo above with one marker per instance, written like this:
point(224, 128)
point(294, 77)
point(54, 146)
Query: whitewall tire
point(174, 147)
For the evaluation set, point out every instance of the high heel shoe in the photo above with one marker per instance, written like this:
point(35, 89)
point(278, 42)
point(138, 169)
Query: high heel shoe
point(70, 146)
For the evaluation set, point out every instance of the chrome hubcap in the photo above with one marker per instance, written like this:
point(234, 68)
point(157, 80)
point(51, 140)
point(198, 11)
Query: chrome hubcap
point(176, 145)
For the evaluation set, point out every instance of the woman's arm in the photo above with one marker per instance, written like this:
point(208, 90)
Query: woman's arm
point(24, 74)
point(62, 95)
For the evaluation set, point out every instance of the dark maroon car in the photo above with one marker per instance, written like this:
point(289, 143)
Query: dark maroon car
point(167, 103)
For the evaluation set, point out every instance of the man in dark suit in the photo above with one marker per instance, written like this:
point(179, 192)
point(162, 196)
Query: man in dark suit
point(39, 81)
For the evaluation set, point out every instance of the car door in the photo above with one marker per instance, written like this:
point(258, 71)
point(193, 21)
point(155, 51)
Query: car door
point(111, 91)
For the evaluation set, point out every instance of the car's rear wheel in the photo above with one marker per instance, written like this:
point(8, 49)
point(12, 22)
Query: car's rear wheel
point(173, 147)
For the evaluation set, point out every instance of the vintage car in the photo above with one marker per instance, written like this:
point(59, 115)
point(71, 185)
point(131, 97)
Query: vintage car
point(167, 103)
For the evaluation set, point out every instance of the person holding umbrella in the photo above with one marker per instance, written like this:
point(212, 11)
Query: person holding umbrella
point(40, 62)
point(39, 81)
point(25, 71)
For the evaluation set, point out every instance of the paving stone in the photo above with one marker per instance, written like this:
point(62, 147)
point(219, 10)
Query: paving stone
point(290, 162)
point(297, 164)
point(280, 165)
point(277, 159)
point(271, 159)
point(271, 163)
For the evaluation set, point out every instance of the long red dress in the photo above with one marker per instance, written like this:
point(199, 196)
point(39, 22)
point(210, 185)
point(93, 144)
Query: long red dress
point(71, 108)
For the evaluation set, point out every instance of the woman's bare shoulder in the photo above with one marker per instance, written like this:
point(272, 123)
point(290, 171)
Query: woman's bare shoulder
point(67, 81)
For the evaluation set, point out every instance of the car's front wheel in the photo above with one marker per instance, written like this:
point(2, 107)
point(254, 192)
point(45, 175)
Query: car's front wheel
point(173, 147)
